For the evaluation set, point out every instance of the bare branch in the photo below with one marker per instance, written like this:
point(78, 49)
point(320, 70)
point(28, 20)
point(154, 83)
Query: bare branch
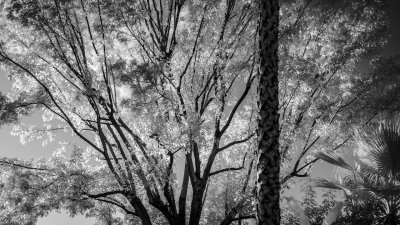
point(13, 164)
point(104, 194)
point(236, 142)
point(230, 168)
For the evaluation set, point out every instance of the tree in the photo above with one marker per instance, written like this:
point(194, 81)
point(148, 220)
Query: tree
point(268, 186)
point(148, 86)
point(308, 203)
point(376, 174)
point(311, 208)
point(327, 213)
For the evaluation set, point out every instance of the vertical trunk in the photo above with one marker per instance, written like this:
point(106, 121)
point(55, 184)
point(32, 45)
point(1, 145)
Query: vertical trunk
point(176, 221)
point(268, 211)
point(180, 220)
point(139, 209)
point(196, 207)
point(182, 196)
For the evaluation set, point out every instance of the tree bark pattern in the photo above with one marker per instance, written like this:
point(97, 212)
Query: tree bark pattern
point(268, 211)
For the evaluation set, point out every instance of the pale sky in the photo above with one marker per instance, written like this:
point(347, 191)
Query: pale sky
point(63, 219)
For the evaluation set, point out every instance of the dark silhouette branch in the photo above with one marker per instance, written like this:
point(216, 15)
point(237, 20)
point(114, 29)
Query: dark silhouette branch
point(236, 142)
point(13, 164)
point(230, 168)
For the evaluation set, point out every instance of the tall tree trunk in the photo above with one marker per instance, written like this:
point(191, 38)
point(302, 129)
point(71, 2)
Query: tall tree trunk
point(197, 204)
point(139, 209)
point(268, 211)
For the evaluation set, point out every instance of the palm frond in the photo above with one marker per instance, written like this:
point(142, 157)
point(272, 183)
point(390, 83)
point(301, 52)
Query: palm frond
point(345, 176)
point(324, 183)
point(370, 175)
point(386, 151)
point(333, 159)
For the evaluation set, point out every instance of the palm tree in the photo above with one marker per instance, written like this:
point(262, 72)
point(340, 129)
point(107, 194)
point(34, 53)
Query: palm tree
point(268, 211)
point(377, 171)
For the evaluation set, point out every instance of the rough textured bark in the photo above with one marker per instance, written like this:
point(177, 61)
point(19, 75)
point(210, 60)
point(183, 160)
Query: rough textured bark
point(268, 211)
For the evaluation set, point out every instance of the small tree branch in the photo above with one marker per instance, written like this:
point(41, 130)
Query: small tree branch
point(2, 161)
point(104, 194)
point(118, 204)
point(230, 168)
point(236, 142)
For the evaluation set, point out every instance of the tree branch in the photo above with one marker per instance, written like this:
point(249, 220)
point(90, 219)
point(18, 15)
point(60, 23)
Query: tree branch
point(104, 194)
point(235, 143)
point(230, 168)
point(2, 161)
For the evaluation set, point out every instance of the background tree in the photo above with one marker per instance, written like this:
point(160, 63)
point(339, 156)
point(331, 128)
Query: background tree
point(309, 203)
point(317, 206)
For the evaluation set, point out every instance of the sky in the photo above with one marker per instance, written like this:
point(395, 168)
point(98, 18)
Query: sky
point(11, 146)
